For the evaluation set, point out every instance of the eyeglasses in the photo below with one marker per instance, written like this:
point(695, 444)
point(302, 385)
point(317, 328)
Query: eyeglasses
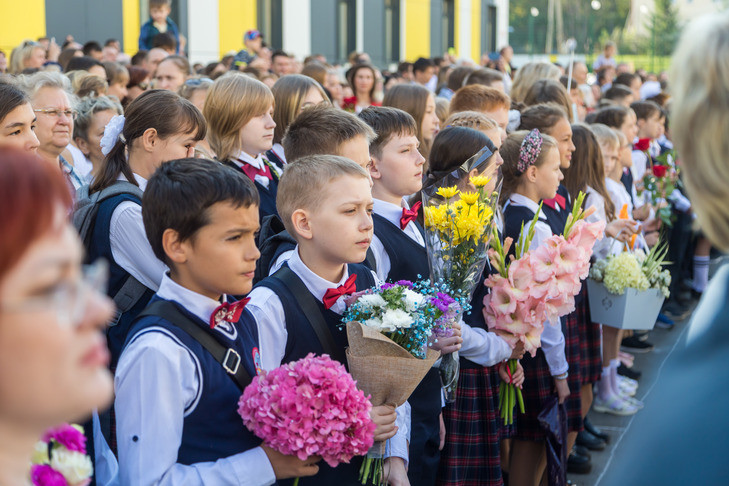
point(72, 114)
point(69, 299)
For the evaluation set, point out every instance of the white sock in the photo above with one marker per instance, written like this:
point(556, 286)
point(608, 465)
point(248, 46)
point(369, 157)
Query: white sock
point(614, 364)
point(604, 387)
point(701, 272)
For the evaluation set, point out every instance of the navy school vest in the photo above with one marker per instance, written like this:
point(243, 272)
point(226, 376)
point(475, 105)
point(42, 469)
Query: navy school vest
point(213, 429)
point(558, 219)
point(408, 260)
point(302, 340)
point(116, 334)
point(267, 195)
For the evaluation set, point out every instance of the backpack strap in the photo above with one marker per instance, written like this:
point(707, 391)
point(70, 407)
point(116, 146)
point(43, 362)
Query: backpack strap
point(228, 358)
point(312, 312)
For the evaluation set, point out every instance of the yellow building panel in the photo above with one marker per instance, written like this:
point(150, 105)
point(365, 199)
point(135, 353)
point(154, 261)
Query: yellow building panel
point(20, 21)
point(131, 17)
point(417, 29)
point(236, 17)
point(476, 30)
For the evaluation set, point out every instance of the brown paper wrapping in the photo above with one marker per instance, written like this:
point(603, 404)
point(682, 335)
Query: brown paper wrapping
point(383, 369)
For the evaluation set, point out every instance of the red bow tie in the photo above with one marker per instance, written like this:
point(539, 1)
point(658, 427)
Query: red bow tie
point(332, 295)
point(252, 171)
point(409, 215)
point(556, 200)
point(228, 312)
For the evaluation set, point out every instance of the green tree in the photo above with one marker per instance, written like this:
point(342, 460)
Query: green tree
point(663, 28)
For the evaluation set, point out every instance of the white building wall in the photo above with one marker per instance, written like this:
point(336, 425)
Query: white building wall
point(297, 27)
point(464, 29)
point(202, 27)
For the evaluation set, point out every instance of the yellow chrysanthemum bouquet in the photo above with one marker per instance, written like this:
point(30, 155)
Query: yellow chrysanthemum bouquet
point(458, 214)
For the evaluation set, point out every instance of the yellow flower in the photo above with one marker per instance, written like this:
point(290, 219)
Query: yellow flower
point(469, 198)
point(480, 181)
point(447, 192)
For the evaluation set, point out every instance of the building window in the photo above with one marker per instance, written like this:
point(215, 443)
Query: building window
point(270, 22)
point(448, 25)
point(346, 28)
point(488, 29)
point(392, 30)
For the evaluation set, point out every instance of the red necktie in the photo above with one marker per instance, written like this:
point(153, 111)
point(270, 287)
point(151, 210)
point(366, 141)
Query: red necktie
point(332, 295)
point(227, 312)
point(556, 200)
point(409, 215)
point(252, 171)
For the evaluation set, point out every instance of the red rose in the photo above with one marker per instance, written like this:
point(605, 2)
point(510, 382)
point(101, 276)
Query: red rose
point(643, 144)
point(659, 170)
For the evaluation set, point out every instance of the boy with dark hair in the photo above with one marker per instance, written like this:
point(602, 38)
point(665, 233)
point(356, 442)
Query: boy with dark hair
point(166, 42)
point(92, 49)
point(326, 203)
point(619, 94)
point(188, 357)
point(423, 71)
point(491, 78)
point(159, 22)
point(648, 115)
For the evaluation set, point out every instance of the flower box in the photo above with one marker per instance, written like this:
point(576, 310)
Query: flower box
point(634, 309)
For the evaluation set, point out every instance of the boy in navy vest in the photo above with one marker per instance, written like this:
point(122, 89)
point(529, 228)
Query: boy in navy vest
point(325, 202)
point(175, 400)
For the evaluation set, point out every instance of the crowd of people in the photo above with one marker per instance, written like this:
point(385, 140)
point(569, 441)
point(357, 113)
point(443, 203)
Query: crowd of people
point(262, 176)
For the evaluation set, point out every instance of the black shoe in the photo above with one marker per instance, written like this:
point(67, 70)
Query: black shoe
point(596, 431)
point(593, 443)
point(581, 451)
point(578, 464)
point(629, 372)
point(633, 344)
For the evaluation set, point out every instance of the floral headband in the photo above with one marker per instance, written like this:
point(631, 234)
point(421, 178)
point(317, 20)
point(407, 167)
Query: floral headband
point(530, 149)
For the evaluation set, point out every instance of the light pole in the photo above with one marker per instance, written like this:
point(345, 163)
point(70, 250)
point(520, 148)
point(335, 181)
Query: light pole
point(595, 5)
point(534, 13)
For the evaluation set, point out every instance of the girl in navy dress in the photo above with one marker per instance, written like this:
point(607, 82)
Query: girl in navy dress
point(532, 173)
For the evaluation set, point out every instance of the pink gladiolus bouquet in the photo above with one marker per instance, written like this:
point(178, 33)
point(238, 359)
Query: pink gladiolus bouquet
point(309, 407)
point(537, 286)
point(60, 458)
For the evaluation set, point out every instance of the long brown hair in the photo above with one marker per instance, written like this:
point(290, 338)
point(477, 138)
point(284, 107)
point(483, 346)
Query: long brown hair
point(587, 168)
point(413, 99)
point(163, 110)
point(288, 94)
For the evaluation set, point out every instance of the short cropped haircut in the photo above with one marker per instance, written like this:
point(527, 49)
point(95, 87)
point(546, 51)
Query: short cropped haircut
point(477, 97)
point(303, 184)
point(180, 193)
point(387, 123)
point(159, 3)
point(484, 76)
point(471, 119)
point(321, 130)
point(645, 109)
point(618, 92)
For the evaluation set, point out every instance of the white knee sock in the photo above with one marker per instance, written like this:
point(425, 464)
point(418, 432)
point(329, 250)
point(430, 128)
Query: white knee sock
point(701, 272)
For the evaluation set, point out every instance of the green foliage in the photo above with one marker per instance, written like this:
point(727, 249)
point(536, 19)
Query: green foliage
point(663, 28)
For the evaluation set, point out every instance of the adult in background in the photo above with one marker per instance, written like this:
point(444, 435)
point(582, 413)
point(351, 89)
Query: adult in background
point(53, 361)
point(694, 377)
point(361, 78)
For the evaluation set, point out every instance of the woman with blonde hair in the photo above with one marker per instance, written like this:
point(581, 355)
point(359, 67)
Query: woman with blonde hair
point(420, 103)
point(528, 75)
point(292, 94)
point(239, 111)
point(28, 55)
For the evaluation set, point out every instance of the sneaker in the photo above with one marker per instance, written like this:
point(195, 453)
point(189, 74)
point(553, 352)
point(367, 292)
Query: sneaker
point(634, 402)
point(614, 405)
point(676, 311)
point(629, 372)
point(633, 344)
point(664, 322)
point(628, 382)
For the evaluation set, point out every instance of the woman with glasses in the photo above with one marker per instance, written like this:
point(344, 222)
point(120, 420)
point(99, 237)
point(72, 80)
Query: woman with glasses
point(17, 120)
point(53, 105)
point(53, 359)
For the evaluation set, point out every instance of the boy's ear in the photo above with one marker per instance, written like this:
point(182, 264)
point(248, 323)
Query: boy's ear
point(302, 224)
point(175, 249)
point(149, 139)
point(375, 173)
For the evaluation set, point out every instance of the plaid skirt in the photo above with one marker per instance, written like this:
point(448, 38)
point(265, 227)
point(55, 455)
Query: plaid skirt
point(472, 456)
point(538, 386)
point(590, 343)
point(573, 352)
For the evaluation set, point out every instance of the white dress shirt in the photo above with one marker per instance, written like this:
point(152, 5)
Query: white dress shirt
point(640, 165)
point(129, 245)
point(606, 244)
point(552, 337)
point(158, 383)
point(258, 163)
point(392, 213)
point(268, 310)
point(279, 151)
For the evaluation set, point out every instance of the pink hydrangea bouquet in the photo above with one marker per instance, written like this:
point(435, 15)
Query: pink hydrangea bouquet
point(309, 407)
point(536, 286)
point(60, 458)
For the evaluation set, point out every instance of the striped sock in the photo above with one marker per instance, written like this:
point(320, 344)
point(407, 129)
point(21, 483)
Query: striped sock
point(701, 273)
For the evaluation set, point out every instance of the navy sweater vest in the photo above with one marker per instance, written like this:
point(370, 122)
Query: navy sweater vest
point(408, 260)
point(267, 195)
point(213, 429)
point(558, 219)
point(116, 334)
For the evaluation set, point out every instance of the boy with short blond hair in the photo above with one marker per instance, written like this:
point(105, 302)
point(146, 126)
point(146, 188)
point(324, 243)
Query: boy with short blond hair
point(325, 202)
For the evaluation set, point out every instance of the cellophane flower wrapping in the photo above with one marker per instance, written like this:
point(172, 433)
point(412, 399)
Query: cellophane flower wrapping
point(458, 226)
point(309, 407)
point(60, 458)
point(537, 286)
